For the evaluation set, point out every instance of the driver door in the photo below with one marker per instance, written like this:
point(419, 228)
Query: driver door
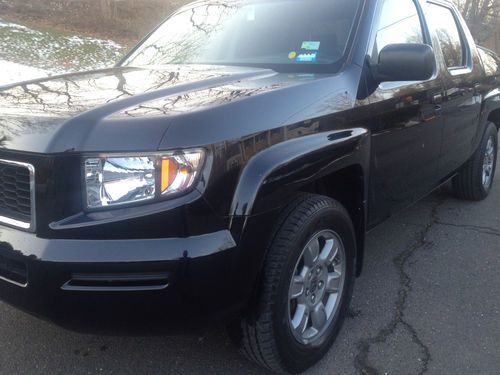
point(407, 124)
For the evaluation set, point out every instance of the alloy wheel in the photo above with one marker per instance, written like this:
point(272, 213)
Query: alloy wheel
point(316, 287)
point(488, 163)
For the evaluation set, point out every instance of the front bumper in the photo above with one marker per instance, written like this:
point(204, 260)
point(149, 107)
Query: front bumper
point(72, 280)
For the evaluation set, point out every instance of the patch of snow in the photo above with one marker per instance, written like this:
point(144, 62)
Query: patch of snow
point(12, 72)
point(54, 51)
point(79, 40)
point(12, 25)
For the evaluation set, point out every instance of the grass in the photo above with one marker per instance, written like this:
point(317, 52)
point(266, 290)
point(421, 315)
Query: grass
point(54, 50)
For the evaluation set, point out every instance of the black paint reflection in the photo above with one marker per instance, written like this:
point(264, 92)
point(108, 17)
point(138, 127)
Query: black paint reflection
point(31, 113)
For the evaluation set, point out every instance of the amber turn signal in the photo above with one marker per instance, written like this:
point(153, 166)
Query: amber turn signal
point(168, 173)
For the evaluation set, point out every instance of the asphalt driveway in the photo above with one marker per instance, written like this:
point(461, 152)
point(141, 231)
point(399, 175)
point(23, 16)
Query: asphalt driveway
point(427, 302)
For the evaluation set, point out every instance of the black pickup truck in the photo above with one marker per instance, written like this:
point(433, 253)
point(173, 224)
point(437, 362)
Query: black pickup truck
point(229, 167)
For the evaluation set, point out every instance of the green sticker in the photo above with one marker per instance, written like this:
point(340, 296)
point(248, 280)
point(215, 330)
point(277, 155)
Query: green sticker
point(311, 45)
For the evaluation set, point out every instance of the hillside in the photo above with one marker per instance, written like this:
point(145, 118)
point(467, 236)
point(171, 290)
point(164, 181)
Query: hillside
point(122, 20)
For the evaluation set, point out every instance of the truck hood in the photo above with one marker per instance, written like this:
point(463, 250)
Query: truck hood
point(83, 112)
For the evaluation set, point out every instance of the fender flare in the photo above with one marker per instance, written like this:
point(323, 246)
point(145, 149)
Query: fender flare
point(491, 102)
point(285, 167)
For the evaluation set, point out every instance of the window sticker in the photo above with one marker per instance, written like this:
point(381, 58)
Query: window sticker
point(307, 57)
point(292, 55)
point(311, 45)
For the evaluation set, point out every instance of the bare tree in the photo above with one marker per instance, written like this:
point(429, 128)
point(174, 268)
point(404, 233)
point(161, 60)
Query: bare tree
point(482, 16)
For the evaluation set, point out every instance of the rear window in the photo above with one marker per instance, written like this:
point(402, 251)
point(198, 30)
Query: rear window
point(271, 32)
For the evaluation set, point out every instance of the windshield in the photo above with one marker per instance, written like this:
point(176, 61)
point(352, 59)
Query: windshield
point(269, 33)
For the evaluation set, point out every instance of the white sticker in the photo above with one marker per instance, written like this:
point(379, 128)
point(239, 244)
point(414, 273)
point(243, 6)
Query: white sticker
point(251, 13)
point(311, 45)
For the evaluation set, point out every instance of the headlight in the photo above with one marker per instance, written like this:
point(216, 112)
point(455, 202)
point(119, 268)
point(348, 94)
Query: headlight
point(126, 179)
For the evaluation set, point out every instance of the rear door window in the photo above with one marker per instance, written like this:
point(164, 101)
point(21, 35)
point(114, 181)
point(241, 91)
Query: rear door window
point(444, 22)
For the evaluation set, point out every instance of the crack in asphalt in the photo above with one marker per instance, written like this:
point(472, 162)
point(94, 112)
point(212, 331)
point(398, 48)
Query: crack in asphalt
point(361, 361)
point(475, 228)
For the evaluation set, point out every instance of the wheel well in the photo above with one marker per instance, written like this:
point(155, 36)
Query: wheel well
point(494, 117)
point(347, 187)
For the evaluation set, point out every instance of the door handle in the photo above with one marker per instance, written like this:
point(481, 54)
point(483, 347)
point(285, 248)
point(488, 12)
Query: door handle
point(477, 89)
point(431, 114)
point(437, 99)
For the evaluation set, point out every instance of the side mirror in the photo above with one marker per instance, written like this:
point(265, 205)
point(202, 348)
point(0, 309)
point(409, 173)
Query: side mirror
point(405, 62)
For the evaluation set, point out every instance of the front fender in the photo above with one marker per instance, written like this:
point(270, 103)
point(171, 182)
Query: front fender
point(491, 102)
point(273, 174)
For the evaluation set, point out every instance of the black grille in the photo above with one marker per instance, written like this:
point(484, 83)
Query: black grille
point(15, 192)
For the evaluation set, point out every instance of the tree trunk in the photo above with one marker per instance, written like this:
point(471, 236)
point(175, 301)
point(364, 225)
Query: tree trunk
point(106, 9)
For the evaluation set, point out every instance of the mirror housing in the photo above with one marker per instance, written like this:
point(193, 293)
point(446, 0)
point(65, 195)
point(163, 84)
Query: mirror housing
point(405, 62)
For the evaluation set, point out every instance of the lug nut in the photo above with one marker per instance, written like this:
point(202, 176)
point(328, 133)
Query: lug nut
point(307, 292)
point(313, 297)
point(318, 270)
point(320, 284)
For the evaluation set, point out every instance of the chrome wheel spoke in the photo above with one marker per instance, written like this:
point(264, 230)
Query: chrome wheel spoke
point(311, 253)
point(333, 282)
point(297, 288)
point(318, 317)
point(300, 319)
point(329, 252)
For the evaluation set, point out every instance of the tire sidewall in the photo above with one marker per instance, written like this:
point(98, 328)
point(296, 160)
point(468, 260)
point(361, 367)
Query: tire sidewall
point(298, 356)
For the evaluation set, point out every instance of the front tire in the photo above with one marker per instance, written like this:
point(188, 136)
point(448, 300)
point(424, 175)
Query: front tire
point(475, 179)
point(306, 288)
